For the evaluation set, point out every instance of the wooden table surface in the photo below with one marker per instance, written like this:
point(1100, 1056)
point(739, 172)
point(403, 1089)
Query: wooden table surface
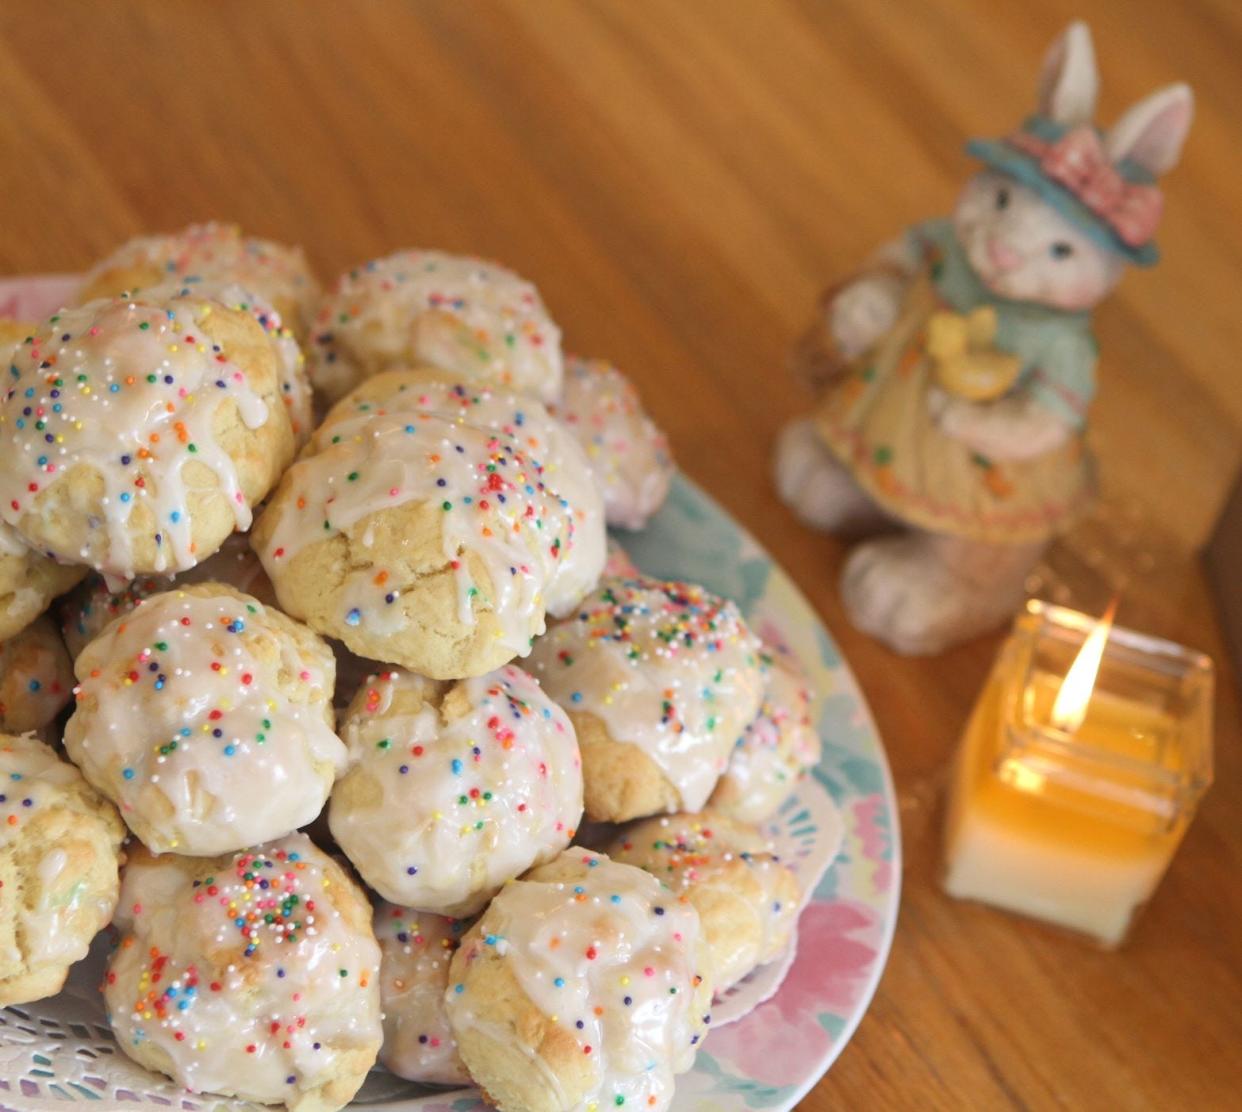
point(679, 179)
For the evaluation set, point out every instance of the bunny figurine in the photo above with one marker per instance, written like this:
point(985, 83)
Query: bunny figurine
point(958, 367)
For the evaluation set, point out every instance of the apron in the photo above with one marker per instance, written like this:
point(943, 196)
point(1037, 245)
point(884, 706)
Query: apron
point(876, 420)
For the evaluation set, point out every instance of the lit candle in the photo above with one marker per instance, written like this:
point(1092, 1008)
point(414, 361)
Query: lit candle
point(1080, 769)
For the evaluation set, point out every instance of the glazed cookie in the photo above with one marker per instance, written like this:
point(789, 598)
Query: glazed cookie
point(85, 611)
point(416, 948)
point(60, 849)
point(454, 788)
point(585, 984)
point(560, 462)
point(36, 678)
point(424, 543)
point(659, 679)
point(28, 579)
point(207, 718)
point(253, 975)
point(629, 455)
point(139, 433)
point(774, 750)
point(746, 897)
point(210, 253)
point(295, 387)
point(28, 582)
point(429, 308)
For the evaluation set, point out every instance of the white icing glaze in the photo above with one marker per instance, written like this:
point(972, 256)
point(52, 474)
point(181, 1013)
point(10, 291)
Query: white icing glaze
point(628, 453)
point(209, 728)
point(244, 971)
point(32, 780)
point(416, 949)
point(494, 502)
point(774, 750)
point(295, 387)
point(666, 666)
point(613, 958)
point(556, 454)
point(129, 390)
point(459, 797)
point(460, 314)
point(219, 252)
point(86, 610)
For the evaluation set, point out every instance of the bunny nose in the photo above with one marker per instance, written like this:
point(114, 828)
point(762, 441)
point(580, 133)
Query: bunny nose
point(1002, 256)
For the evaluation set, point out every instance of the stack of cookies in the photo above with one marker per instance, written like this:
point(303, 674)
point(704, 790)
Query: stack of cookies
point(315, 654)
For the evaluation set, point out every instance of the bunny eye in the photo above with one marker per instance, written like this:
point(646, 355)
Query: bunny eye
point(1061, 250)
point(1002, 198)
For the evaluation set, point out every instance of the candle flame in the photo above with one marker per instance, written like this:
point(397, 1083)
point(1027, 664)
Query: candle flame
point(1070, 707)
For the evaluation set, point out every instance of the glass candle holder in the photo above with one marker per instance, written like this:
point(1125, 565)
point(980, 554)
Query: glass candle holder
point(1075, 824)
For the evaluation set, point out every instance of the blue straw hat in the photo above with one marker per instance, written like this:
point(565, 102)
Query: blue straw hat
point(1007, 156)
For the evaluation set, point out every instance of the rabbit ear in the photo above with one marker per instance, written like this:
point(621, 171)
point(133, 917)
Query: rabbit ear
point(1069, 81)
point(1152, 131)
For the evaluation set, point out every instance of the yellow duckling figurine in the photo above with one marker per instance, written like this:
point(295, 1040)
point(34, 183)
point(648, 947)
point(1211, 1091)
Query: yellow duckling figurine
point(967, 364)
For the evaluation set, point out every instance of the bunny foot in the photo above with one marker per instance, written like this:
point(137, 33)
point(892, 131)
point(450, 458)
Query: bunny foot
point(920, 593)
point(817, 488)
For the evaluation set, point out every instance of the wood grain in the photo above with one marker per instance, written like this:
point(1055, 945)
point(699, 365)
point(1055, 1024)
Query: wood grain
point(680, 179)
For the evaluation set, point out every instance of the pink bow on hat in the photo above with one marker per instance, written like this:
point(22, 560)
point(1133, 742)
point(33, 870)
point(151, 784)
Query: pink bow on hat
point(1077, 162)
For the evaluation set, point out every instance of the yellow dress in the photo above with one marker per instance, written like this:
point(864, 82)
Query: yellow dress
point(876, 419)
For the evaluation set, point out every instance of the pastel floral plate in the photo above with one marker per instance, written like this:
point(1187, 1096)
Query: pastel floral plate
point(60, 1050)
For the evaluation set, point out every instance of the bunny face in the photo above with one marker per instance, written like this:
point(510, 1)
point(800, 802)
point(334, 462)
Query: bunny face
point(1022, 249)
point(1020, 246)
